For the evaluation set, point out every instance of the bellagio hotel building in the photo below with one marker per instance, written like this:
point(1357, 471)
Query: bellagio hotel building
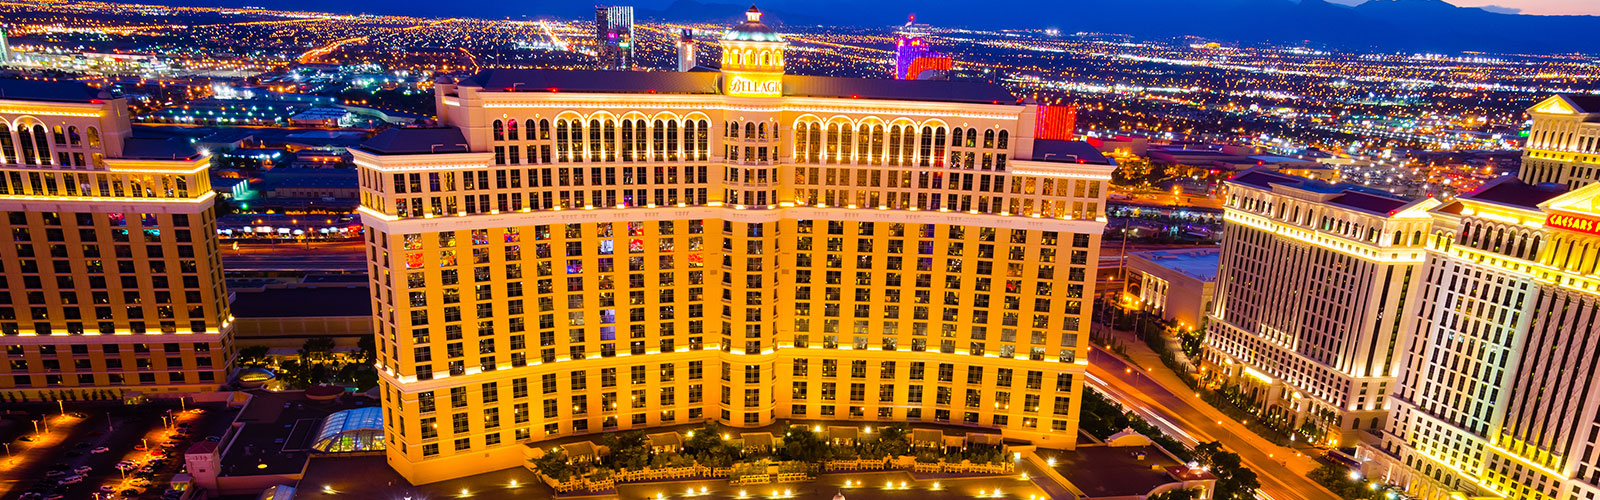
point(111, 280)
point(577, 252)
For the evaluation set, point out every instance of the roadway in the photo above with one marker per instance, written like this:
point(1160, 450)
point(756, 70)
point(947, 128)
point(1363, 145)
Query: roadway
point(1151, 391)
point(295, 256)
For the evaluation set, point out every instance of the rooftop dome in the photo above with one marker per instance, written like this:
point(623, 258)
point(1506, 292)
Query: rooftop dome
point(752, 29)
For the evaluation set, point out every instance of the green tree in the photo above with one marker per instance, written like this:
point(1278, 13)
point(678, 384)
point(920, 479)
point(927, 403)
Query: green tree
point(317, 349)
point(255, 355)
point(628, 449)
point(802, 444)
point(554, 465)
point(1234, 480)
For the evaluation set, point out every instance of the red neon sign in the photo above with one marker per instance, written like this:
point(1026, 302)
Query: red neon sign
point(1573, 222)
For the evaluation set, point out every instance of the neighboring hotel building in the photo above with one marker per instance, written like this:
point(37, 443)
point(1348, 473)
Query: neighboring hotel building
point(613, 36)
point(1313, 283)
point(1563, 146)
point(1175, 284)
point(112, 280)
point(579, 252)
point(1495, 396)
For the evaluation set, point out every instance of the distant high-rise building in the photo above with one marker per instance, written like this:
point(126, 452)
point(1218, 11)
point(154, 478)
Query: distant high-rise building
point(112, 281)
point(1313, 281)
point(613, 36)
point(914, 59)
point(658, 249)
point(1563, 146)
point(686, 55)
point(5, 45)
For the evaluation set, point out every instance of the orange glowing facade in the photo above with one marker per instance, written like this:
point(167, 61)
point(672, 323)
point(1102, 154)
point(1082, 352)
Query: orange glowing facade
point(581, 252)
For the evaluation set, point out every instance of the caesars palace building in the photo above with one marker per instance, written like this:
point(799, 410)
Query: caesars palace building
point(576, 252)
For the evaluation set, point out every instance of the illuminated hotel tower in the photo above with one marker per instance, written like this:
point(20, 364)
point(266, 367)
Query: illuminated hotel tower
point(112, 281)
point(1563, 146)
point(578, 252)
point(1497, 396)
point(613, 36)
point(1313, 283)
point(914, 59)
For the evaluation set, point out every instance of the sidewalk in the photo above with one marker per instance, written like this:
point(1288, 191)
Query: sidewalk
point(1296, 460)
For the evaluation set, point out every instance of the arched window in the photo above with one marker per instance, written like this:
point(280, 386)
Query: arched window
point(640, 140)
point(801, 146)
point(972, 137)
point(562, 146)
point(955, 138)
point(25, 136)
point(61, 138)
point(877, 144)
point(988, 139)
point(938, 147)
point(594, 140)
point(894, 144)
point(94, 136)
point(833, 143)
point(766, 58)
point(1005, 139)
point(672, 140)
point(499, 130)
point(660, 140)
point(8, 149)
point(1398, 238)
point(511, 130)
point(816, 142)
point(749, 130)
point(926, 149)
point(72, 136)
point(702, 138)
point(1416, 238)
point(610, 143)
point(761, 131)
point(42, 143)
point(529, 128)
point(544, 129)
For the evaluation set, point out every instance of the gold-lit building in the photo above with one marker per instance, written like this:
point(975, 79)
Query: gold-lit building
point(1563, 145)
point(1496, 394)
point(576, 252)
point(112, 280)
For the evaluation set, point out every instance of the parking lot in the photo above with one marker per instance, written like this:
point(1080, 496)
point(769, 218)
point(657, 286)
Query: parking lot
point(72, 450)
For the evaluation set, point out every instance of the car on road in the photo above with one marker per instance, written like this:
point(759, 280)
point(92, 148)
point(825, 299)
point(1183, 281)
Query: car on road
point(99, 450)
point(141, 482)
point(109, 488)
point(126, 465)
point(74, 479)
point(213, 438)
point(55, 473)
point(56, 496)
point(31, 495)
point(132, 492)
point(82, 469)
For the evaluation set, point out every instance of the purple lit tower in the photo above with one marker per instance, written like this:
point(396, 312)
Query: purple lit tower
point(914, 59)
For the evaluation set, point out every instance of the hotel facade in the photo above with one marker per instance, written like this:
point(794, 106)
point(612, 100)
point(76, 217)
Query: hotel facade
point(1312, 286)
point(1496, 396)
point(1563, 145)
point(577, 252)
point(112, 280)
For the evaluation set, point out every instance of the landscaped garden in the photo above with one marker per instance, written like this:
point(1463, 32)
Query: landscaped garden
point(802, 453)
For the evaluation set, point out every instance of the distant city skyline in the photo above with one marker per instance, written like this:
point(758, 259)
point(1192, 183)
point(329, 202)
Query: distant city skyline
point(934, 9)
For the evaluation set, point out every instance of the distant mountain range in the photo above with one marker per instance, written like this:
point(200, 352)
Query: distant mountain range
point(1387, 25)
